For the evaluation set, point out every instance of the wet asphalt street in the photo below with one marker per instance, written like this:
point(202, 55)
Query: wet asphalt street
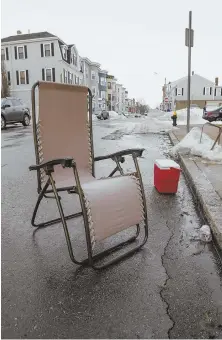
point(170, 289)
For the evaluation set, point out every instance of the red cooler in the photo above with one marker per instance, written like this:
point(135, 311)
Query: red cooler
point(166, 176)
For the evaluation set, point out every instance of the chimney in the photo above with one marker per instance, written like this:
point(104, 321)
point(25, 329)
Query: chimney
point(216, 81)
point(28, 31)
point(192, 73)
point(19, 32)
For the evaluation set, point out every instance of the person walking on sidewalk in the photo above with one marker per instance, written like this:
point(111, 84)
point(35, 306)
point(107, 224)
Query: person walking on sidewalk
point(174, 118)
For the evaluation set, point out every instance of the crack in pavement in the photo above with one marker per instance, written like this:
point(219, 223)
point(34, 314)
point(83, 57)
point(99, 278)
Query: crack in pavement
point(166, 281)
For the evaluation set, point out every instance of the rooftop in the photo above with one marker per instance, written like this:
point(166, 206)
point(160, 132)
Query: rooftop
point(28, 36)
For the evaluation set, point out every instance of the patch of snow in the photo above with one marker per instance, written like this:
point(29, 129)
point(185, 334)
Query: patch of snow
point(94, 117)
point(190, 145)
point(150, 125)
point(115, 115)
point(205, 234)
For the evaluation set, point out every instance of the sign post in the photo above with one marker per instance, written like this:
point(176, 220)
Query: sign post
point(189, 36)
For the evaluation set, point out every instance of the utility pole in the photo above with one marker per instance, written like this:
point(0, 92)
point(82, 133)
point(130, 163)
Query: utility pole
point(189, 35)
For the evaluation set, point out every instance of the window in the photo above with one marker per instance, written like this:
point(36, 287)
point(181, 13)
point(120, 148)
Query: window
point(76, 80)
point(48, 74)
point(103, 81)
point(114, 86)
point(3, 54)
point(21, 53)
point(218, 91)
point(47, 50)
point(207, 91)
point(65, 52)
point(109, 96)
point(103, 94)
point(70, 78)
point(65, 76)
point(109, 86)
point(113, 98)
point(22, 77)
point(93, 75)
point(179, 91)
point(74, 60)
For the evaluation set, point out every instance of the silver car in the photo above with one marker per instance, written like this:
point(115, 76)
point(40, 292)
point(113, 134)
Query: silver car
point(14, 111)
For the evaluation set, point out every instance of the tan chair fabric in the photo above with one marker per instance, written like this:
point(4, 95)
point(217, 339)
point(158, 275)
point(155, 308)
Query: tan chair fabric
point(113, 204)
point(63, 127)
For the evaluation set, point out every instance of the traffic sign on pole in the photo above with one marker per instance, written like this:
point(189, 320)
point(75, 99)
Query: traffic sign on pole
point(189, 39)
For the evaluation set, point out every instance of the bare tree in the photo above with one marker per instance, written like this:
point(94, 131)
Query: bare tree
point(5, 90)
point(142, 107)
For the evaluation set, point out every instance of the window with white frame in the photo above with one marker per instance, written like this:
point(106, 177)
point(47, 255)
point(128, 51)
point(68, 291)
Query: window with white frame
point(65, 49)
point(179, 91)
point(103, 94)
point(93, 75)
point(76, 80)
point(70, 78)
point(22, 77)
point(65, 76)
point(103, 81)
point(3, 54)
point(47, 50)
point(207, 91)
point(48, 74)
point(21, 52)
point(74, 59)
point(218, 91)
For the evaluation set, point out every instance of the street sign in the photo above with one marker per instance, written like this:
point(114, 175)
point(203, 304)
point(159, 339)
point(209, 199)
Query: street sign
point(189, 36)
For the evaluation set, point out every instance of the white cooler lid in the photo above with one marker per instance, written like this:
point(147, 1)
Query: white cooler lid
point(166, 164)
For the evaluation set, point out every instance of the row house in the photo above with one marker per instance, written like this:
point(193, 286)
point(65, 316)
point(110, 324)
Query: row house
point(111, 92)
point(102, 90)
point(202, 92)
point(42, 56)
point(38, 56)
point(91, 79)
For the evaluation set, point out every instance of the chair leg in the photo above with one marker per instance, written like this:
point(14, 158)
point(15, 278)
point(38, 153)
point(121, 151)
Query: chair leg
point(51, 222)
point(63, 220)
point(115, 248)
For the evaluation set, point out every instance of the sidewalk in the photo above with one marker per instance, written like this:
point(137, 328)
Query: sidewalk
point(205, 181)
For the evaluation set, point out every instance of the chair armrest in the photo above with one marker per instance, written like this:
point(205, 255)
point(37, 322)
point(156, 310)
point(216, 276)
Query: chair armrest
point(119, 155)
point(65, 162)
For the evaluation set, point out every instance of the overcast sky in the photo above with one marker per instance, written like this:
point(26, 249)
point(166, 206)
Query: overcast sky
point(132, 39)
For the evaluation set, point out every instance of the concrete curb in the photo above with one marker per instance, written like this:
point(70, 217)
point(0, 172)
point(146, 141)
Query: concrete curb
point(204, 194)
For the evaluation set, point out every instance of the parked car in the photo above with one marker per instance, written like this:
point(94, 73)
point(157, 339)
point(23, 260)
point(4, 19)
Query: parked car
point(103, 115)
point(13, 111)
point(213, 115)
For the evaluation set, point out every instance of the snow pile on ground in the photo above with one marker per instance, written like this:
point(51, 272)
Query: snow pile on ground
point(151, 125)
point(94, 117)
point(195, 116)
point(115, 115)
point(190, 145)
